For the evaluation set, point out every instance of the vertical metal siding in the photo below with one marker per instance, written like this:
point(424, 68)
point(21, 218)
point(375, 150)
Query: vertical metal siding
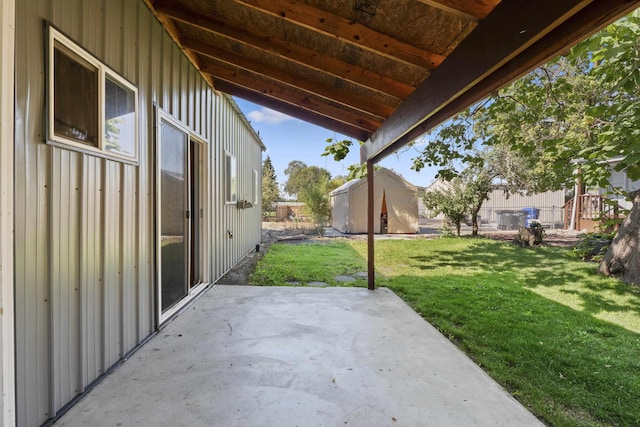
point(84, 232)
point(549, 203)
point(31, 263)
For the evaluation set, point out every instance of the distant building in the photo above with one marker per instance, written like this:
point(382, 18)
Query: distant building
point(395, 202)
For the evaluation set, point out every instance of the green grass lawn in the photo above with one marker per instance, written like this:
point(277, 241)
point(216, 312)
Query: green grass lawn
point(563, 340)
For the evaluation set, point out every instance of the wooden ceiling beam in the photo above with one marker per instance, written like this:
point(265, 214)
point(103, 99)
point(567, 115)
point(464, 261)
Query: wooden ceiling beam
point(473, 10)
point(585, 23)
point(338, 95)
point(259, 83)
point(290, 52)
point(509, 30)
point(293, 110)
point(331, 25)
point(173, 32)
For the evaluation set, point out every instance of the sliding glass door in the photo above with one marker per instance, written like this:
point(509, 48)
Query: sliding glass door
point(179, 214)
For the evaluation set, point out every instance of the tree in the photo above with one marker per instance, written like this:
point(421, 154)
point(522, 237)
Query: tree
point(478, 184)
point(270, 190)
point(622, 258)
point(449, 200)
point(460, 196)
point(301, 177)
point(583, 108)
point(316, 203)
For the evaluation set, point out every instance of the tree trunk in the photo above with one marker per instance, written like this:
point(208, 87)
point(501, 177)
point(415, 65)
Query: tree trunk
point(474, 219)
point(474, 224)
point(622, 259)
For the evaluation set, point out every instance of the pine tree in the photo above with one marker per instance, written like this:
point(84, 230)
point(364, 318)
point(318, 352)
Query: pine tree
point(270, 190)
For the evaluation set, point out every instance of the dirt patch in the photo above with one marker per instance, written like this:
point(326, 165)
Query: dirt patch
point(285, 232)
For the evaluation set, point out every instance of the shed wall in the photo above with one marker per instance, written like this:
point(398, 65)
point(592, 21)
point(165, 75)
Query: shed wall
point(340, 212)
point(350, 206)
point(84, 229)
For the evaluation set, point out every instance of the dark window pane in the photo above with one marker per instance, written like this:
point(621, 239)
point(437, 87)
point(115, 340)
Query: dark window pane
point(173, 205)
point(75, 98)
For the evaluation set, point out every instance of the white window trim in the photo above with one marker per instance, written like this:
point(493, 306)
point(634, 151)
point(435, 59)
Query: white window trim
point(233, 197)
point(103, 72)
point(257, 187)
point(162, 115)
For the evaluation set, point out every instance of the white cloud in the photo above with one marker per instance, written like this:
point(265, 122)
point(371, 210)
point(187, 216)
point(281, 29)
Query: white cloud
point(267, 115)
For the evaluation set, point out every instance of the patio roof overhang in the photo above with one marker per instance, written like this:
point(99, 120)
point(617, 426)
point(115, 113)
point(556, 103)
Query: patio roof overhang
point(379, 71)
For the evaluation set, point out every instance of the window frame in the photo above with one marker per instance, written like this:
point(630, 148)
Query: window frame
point(55, 37)
point(230, 174)
point(257, 187)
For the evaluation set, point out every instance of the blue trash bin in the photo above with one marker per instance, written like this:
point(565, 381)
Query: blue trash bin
point(532, 213)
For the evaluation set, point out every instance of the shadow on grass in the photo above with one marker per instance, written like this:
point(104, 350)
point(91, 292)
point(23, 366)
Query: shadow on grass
point(558, 361)
point(512, 310)
point(543, 267)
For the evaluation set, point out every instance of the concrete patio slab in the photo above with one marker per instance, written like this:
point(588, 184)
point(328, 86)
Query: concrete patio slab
point(285, 356)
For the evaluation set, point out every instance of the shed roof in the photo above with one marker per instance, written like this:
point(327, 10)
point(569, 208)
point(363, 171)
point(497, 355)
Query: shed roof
point(380, 71)
point(382, 171)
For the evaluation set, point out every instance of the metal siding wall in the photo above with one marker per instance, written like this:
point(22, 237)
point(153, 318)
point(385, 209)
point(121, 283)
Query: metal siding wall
point(31, 220)
point(550, 204)
point(92, 311)
point(147, 30)
point(84, 232)
point(236, 138)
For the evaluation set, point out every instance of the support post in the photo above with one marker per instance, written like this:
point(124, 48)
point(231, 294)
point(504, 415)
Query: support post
point(370, 223)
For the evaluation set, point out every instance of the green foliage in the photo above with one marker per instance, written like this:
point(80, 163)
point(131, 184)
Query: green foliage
point(592, 246)
point(450, 147)
point(301, 177)
point(445, 232)
point(337, 149)
point(336, 182)
point(564, 117)
point(581, 108)
point(461, 196)
point(449, 200)
point(357, 171)
point(270, 190)
point(316, 204)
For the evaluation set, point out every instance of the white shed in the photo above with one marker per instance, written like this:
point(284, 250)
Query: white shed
point(395, 199)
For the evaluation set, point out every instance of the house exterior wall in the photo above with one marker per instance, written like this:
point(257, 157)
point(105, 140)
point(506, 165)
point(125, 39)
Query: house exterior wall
point(619, 181)
point(85, 225)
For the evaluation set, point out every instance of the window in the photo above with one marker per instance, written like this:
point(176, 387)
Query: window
point(91, 108)
point(256, 187)
point(231, 179)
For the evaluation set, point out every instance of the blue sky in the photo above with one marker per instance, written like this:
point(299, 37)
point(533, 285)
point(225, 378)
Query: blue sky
point(287, 139)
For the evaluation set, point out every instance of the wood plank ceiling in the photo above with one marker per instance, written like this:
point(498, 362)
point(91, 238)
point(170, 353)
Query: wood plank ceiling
point(382, 71)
